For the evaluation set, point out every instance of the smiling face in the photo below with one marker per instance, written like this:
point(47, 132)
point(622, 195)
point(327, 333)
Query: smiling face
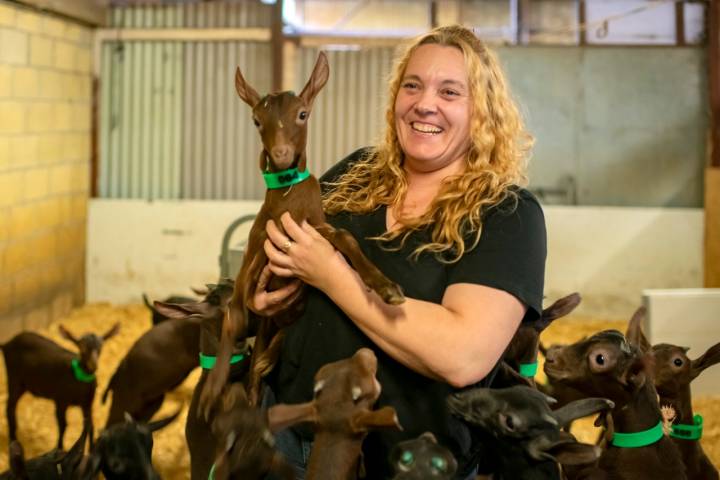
point(433, 108)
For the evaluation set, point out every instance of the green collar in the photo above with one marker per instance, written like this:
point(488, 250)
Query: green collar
point(211, 475)
point(207, 362)
point(639, 439)
point(80, 374)
point(528, 370)
point(688, 432)
point(285, 178)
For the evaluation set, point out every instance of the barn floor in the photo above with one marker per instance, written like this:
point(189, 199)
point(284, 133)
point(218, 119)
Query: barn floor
point(37, 429)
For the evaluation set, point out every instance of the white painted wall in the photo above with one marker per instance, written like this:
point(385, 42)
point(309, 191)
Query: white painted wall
point(607, 254)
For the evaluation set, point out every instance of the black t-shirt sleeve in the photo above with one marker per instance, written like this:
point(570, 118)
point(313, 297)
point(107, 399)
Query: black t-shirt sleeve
point(511, 253)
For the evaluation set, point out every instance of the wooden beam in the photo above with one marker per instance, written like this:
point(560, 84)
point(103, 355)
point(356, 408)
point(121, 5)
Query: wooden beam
point(712, 228)
point(90, 12)
point(582, 19)
point(277, 41)
point(713, 51)
point(680, 24)
point(434, 14)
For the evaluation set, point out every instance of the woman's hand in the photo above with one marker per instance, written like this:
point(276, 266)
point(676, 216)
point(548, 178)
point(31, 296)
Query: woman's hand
point(301, 252)
point(267, 303)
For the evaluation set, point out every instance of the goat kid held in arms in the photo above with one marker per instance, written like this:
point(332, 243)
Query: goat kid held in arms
point(281, 119)
point(439, 207)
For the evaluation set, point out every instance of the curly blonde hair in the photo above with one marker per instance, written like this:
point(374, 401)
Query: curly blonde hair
point(496, 158)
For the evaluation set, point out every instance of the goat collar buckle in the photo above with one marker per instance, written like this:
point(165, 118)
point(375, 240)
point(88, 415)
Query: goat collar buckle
point(80, 374)
point(285, 178)
point(529, 370)
point(639, 439)
point(688, 432)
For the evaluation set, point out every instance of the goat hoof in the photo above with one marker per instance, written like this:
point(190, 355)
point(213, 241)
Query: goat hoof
point(392, 294)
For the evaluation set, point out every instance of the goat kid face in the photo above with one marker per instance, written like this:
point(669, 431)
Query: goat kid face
point(674, 370)
point(422, 458)
point(604, 365)
point(281, 118)
point(89, 345)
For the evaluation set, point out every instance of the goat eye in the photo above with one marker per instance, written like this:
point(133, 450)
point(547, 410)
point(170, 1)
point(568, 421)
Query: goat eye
point(407, 458)
point(438, 463)
point(302, 115)
point(255, 121)
point(600, 359)
point(678, 362)
point(507, 421)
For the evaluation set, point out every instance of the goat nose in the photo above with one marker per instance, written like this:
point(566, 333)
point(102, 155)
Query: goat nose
point(280, 152)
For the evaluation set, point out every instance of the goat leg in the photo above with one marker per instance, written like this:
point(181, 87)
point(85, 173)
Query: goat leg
point(218, 376)
point(389, 291)
point(60, 410)
point(11, 411)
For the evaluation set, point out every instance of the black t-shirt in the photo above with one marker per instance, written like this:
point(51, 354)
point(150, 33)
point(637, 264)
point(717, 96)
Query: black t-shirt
point(510, 256)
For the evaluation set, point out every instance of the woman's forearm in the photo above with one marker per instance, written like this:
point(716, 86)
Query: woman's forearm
point(456, 345)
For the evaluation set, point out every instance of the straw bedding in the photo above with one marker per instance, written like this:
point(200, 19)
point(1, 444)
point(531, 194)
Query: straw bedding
point(37, 429)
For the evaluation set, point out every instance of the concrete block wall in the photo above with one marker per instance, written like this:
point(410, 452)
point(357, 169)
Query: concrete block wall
point(45, 116)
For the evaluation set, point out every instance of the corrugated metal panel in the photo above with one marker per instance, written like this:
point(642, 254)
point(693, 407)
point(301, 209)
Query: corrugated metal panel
point(349, 112)
point(171, 123)
point(220, 144)
point(228, 14)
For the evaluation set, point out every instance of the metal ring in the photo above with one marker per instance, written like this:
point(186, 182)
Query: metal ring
point(285, 247)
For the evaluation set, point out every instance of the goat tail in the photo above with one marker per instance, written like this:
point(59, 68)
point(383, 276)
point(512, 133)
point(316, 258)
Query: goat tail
point(263, 365)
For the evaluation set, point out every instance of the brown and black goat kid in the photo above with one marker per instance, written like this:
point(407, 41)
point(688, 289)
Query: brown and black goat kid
point(161, 359)
point(522, 435)
point(674, 371)
point(608, 365)
point(40, 366)
point(209, 313)
point(422, 458)
point(522, 352)
point(54, 465)
point(282, 120)
point(124, 451)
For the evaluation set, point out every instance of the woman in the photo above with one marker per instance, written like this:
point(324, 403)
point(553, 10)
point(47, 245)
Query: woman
point(439, 209)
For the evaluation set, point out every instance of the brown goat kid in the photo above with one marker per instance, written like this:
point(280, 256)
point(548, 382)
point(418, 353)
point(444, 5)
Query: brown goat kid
point(522, 352)
point(210, 313)
point(345, 392)
point(282, 119)
point(607, 365)
point(40, 366)
point(674, 371)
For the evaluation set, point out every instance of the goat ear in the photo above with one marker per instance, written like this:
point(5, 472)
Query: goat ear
point(634, 333)
point(282, 416)
point(574, 453)
point(560, 308)
point(386, 417)
point(178, 311)
point(506, 376)
point(65, 333)
point(708, 359)
point(317, 80)
point(164, 422)
point(580, 408)
point(244, 90)
point(111, 332)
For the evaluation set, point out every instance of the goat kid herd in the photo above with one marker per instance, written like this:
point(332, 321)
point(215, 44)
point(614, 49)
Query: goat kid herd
point(641, 392)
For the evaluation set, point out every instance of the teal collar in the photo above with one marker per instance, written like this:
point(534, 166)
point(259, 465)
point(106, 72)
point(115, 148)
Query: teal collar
point(688, 432)
point(285, 178)
point(207, 362)
point(639, 439)
point(80, 374)
point(528, 370)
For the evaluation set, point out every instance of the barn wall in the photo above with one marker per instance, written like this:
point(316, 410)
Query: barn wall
point(45, 112)
point(607, 254)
